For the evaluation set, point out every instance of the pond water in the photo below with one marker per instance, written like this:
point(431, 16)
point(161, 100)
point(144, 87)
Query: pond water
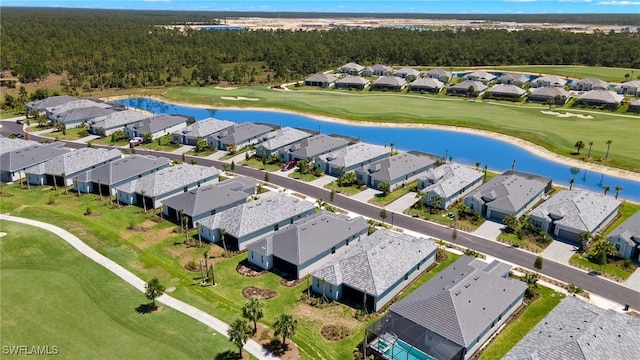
point(462, 147)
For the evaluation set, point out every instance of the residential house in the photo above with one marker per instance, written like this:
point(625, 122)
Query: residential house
point(453, 314)
point(397, 170)
point(543, 94)
point(246, 223)
point(351, 69)
point(198, 203)
point(440, 74)
point(571, 212)
point(239, 135)
point(13, 164)
point(548, 81)
point(462, 88)
point(151, 190)
point(631, 88)
point(378, 70)
point(634, 106)
point(481, 76)
point(389, 83)
point(513, 79)
point(352, 82)
point(426, 85)
point(312, 147)
point(321, 80)
point(79, 116)
point(577, 330)
point(444, 185)
point(374, 270)
point(70, 164)
point(408, 73)
point(350, 158)
point(106, 178)
point(158, 126)
point(53, 111)
point(512, 193)
point(279, 139)
point(300, 248)
point(589, 84)
point(601, 98)
point(8, 145)
point(49, 102)
point(507, 91)
point(106, 125)
point(199, 130)
point(626, 238)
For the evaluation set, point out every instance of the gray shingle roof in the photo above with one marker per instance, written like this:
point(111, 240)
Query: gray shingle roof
point(479, 75)
point(577, 330)
point(438, 73)
point(460, 302)
point(595, 83)
point(408, 72)
point(117, 119)
point(157, 123)
point(629, 84)
point(168, 179)
point(392, 81)
point(76, 104)
point(628, 230)
point(601, 96)
point(75, 161)
point(381, 67)
point(449, 179)
point(511, 78)
point(7, 145)
point(376, 262)
point(507, 90)
point(205, 127)
point(85, 113)
point(354, 154)
point(464, 86)
point(578, 209)
point(204, 199)
point(431, 83)
point(549, 92)
point(316, 145)
point(353, 79)
point(309, 237)
point(509, 192)
point(551, 79)
point(397, 166)
point(635, 102)
point(247, 218)
point(122, 169)
point(240, 133)
point(50, 102)
point(283, 137)
point(320, 77)
point(29, 156)
point(351, 67)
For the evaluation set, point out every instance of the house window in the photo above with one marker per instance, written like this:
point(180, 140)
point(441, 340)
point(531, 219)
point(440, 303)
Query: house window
point(330, 289)
point(333, 250)
point(184, 189)
point(252, 254)
point(347, 244)
point(471, 206)
point(213, 212)
point(291, 221)
point(618, 247)
point(406, 276)
point(262, 259)
point(139, 176)
point(276, 227)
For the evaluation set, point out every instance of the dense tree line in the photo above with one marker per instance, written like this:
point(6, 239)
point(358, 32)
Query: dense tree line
point(116, 49)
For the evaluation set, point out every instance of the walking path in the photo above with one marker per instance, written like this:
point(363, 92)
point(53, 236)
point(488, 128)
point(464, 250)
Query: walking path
point(251, 346)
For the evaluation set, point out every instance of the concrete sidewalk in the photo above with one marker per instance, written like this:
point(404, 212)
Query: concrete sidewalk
point(251, 346)
point(489, 230)
point(403, 202)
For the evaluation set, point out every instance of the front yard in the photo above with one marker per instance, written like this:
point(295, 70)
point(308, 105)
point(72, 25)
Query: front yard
point(161, 144)
point(345, 190)
point(616, 269)
point(456, 216)
point(393, 195)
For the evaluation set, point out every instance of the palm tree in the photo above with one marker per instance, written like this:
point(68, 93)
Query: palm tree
point(584, 236)
point(99, 189)
point(253, 311)
point(385, 187)
point(606, 189)
point(579, 146)
point(618, 189)
point(185, 220)
point(590, 146)
point(199, 236)
point(285, 325)
point(478, 163)
point(486, 167)
point(392, 145)
point(609, 142)
point(383, 214)
point(513, 165)
point(571, 183)
point(436, 201)
point(144, 202)
point(64, 183)
point(239, 332)
point(224, 244)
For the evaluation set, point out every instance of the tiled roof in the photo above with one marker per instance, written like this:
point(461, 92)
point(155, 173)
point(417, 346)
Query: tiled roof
point(462, 301)
point(577, 330)
point(50, 102)
point(602, 96)
point(240, 133)
point(283, 137)
point(480, 75)
point(316, 145)
point(205, 127)
point(75, 161)
point(551, 79)
point(628, 230)
point(397, 166)
point(377, 262)
point(29, 156)
point(595, 82)
point(438, 73)
point(408, 72)
point(390, 81)
point(168, 179)
point(549, 92)
point(204, 199)
point(7, 145)
point(354, 154)
point(505, 89)
point(521, 78)
point(84, 113)
point(464, 85)
point(351, 67)
point(432, 83)
point(509, 193)
point(320, 77)
point(122, 169)
point(449, 179)
point(76, 104)
point(117, 119)
point(157, 123)
point(353, 79)
point(577, 209)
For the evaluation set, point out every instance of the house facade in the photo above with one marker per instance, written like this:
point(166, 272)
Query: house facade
point(589, 84)
point(70, 164)
point(190, 134)
point(279, 139)
point(106, 125)
point(392, 83)
point(158, 126)
point(374, 270)
point(321, 80)
point(462, 88)
point(13, 164)
point(626, 238)
point(352, 82)
point(351, 69)
point(397, 170)
point(481, 76)
point(350, 158)
point(440, 74)
point(507, 91)
point(559, 96)
point(513, 79)
point(548, 81)
point(407, 73)
point(631, 88)
point(426, 85)
point(378, 70)
point(80, 116)
point(312, 147)
point(240, 135)
point(446, 184)
point(600, 98)
point(300, 248)
point(571, 212)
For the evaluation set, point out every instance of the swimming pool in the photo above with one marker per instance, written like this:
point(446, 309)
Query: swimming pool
point(396, 349)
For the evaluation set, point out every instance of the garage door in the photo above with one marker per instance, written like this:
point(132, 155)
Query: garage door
point(568, 236)
point(497, 215)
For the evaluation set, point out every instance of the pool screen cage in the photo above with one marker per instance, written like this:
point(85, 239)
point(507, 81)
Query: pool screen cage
point(395, 337)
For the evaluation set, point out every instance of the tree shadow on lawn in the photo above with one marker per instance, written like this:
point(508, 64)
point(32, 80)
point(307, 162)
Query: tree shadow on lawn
point(228, 355)
point(146, 308)
point(276, 347)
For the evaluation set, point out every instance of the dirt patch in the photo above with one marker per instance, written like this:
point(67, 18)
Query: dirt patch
point(170, 289)
point(248, 269)
point(154, 237)
point(567, 114)
point(238, 98)
point(265, 337)
point(262, 294)
point(290, 282)
point(334, 332)
point(338, 315)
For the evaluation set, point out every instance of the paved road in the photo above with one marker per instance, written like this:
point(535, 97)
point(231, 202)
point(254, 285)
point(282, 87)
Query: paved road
point(597, 285)
point(251, 346)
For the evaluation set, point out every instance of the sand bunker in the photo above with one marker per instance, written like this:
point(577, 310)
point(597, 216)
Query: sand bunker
point(238, 98)
point(567, 114)
point(225, 88)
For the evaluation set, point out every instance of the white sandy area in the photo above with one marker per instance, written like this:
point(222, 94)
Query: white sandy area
point(238, 98)
point(225, 88)
point(567, 114)
point(531, 147)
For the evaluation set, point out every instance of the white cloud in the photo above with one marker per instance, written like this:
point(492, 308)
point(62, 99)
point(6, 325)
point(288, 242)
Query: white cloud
point(619, 3)
point(157, 1)
point(575, 1)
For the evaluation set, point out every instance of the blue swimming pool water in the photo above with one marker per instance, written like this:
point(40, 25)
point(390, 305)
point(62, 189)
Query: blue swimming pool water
point(462, 147)
point(403, 351)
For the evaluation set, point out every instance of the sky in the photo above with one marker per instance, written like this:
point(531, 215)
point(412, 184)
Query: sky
point(346, 6)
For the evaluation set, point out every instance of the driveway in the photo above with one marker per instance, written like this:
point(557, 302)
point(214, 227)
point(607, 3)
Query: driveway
point(251, 346)
point(489, 230)
point(559, 251)
point(321, 182)
point(365, 195)
point(633, 281)
point(402, 203)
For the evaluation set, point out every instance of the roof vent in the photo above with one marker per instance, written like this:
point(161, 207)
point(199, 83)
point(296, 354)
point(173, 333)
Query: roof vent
point(458, 292)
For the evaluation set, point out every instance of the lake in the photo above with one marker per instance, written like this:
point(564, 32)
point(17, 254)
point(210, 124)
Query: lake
point(461, 147)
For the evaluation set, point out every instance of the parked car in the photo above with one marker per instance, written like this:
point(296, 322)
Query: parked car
point(135, 141)
point(289, 165)
point(20, 121)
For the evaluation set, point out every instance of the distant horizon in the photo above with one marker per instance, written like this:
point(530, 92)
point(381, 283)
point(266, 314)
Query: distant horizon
point(423, 7)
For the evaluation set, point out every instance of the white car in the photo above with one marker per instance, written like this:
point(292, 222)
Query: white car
point(136, 141)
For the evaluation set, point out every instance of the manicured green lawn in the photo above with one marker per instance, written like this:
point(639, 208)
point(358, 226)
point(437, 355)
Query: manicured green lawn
point(257, 164)
point(515, 331)
point(345, 190)
point(106, 140)
point(513, 239)
point(52, 295)
point(523, 121)
point(626, 210)
point(7, 115)
point(582, 261)
point(304, 177)
point(394, 195)
point(161, 144)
